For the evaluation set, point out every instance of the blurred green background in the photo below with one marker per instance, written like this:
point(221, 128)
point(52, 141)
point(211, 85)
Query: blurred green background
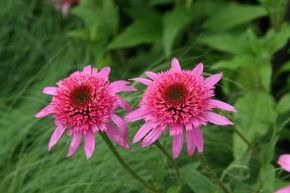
point(247, 40)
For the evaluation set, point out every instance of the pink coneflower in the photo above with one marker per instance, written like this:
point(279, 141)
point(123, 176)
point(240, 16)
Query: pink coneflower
point(179, 99)
point(84, 103)
point(284, 162)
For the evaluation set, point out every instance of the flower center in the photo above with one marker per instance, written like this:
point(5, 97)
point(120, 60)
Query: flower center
point(80, 95)
point(175, 94)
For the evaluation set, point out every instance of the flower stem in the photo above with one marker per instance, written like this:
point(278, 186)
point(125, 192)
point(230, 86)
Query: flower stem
point(250, 145)
point(124, 164)
point(173, 163)
point(212, 175)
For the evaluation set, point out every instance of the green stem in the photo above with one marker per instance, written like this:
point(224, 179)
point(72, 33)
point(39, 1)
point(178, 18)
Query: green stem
point(250, 145)
point(124, 164)
point(173, 163)
point(212, 175)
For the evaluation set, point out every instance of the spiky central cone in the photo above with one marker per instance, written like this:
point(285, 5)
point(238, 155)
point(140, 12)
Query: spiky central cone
point(80, 95)
point(175, 94)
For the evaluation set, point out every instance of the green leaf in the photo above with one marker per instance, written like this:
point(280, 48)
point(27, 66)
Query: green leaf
point(173, 189)
point(234, 63)
point(266, 75)
point(173, 23)
point(284, 104)
point(140, 32)
point(267, 179)
point(256, 117)
point(285, 67)
point(233, 15)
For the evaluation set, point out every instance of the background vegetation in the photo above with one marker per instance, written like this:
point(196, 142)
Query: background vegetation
point(247, 40)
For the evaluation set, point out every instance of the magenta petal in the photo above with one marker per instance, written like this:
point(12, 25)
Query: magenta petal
point(221, 105)
point(142, 80)
point(122, 125)
point(44, 112)
point(284, 190)
point(121, 86)
point(87, 69)
point(199, 139)
point(65, 8)
point(212, 80)
point(56, 136)
point(284, 162)
point(190, 141)
point(115, 135)
point(95, 72)
point(175, 64)
point(75, 142)
point(151, 137)
point(151, 75)
point(49, 90)
point(124, 104)
point(135, 115)
point(142, 131)
point(175, 129)
point(95, 128)
point(197, 71)
point(105, 72)
point(217, 119)
point(177, 145)
point(89, 144)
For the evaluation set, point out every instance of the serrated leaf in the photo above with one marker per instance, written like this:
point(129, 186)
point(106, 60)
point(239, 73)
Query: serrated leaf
point(233, 15)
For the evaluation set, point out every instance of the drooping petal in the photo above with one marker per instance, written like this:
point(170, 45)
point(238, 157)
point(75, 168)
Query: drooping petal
point(122, 125)
point(142, 131)
point(217, 119)
point(212, 80)
point(199, 139)
point(105, 72)
point(151, 137)
point(284, 190)
point(151, 75)
point(44, 112)
point(142, 80)
point(135, 115)
point(175, 129)
point(177, 145)
point(115, 135)
point(89, 144)
point(190, 141)
point(87, 70)
point(75, 142)
point(213, 103)
point(197, 71)
point(284, 162)
point(121, 86)
point(50, 90)
point(124, 104)
point(56, 136)
point(175, 65)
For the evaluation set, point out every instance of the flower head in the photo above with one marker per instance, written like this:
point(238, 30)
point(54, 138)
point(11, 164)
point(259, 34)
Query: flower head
point(284, 162)
point(84, 103)
point(179, 99)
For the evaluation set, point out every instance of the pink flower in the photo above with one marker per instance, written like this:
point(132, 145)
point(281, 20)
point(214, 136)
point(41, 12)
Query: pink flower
point(84, 103)
point(284, 162)
point(179, 99)
point(66, 5)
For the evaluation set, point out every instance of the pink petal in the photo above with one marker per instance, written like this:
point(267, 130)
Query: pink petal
point(190, 141)
point(105, 72)
point(135, 115)
point(151, 75)
point(176, 129)
point(89, 144)
point(151, 137)
point(87, 70)
point(115, 135)
point(175, 64)
point(284, 162)
point(284, 190)
point(212, 80)
point(56, 136)
point(177, 145)
point(121, 86)
point(142, 80)
point(221, 105)
point(75, 142)
point(217, 119)
point(95, 72)
point(94, 128)
point(142, 131)
point(44, 112)
point(49, 90)
point(122, 125)
point(199, 139)
point(65, 8)
point(197, 71)
point(124, 104)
